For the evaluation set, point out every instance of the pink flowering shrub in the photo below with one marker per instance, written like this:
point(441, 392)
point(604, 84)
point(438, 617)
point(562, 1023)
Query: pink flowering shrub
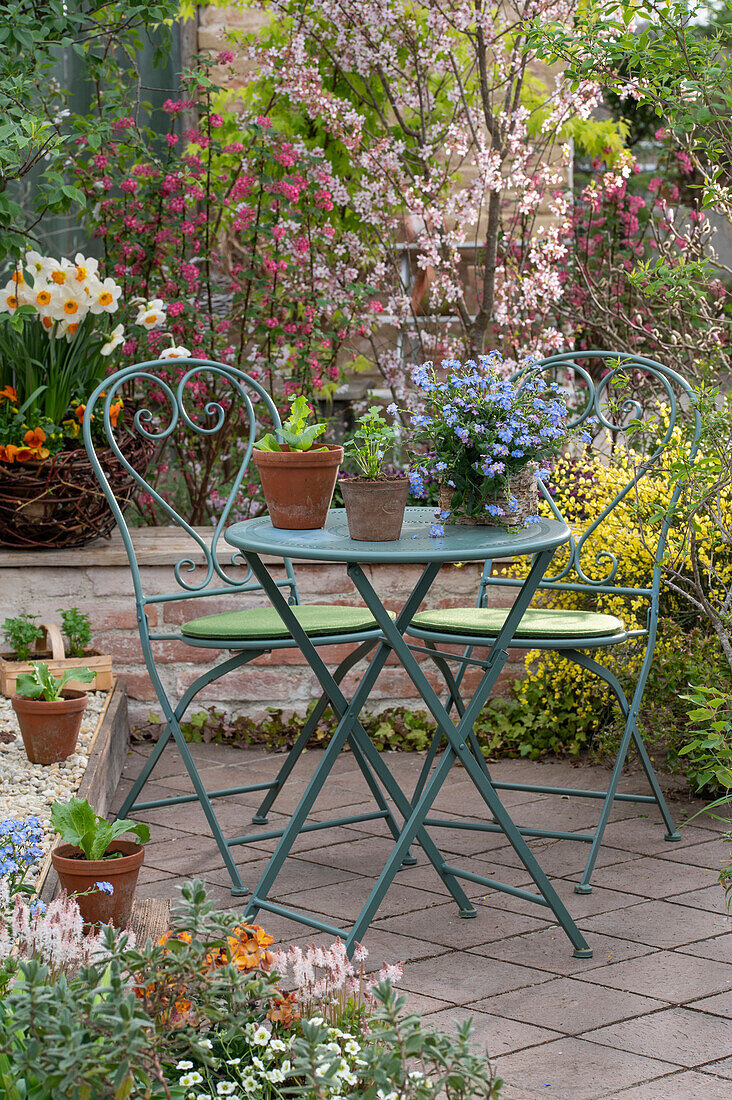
point(238, 228)
point(454, 157)
point(638, 278)
point(240, 231)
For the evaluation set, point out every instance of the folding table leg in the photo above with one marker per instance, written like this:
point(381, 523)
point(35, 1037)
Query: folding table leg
point(456, 737)
point(260, 818)
point(348, 726)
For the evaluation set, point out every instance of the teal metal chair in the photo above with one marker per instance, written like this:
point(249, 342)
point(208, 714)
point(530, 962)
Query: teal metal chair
point(246, 632)
point(616, 388)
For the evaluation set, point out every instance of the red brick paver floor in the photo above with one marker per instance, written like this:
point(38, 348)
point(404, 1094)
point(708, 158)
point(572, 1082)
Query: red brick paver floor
point(649, 1016)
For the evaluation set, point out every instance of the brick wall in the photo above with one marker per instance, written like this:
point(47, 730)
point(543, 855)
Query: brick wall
point(97, 580)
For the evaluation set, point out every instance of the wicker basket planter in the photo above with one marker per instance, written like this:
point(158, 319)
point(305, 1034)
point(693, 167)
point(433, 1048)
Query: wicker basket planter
point(51, 650)
point(521, 485)
point(58, 503)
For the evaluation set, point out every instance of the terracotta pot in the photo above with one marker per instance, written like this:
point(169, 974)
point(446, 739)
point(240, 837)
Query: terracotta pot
point(50, 730)
point(375, 509)
point(521, 485)
point(298, 485)
point(78, 874)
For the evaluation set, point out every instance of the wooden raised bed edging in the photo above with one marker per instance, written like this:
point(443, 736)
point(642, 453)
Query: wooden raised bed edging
point(51, 650)
point(107, 754)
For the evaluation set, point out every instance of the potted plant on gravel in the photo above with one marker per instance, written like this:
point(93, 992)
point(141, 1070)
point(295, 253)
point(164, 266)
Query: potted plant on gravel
point(94, 864)
point(49, 713)
point(374, 501)
point(298, 478)
point(21, 632)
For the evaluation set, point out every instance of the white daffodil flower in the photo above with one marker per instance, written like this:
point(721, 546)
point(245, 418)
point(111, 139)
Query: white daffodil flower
point(86, 268)
point(116, 337)
point(175, 353)
point(151, 315)
point(103, 296)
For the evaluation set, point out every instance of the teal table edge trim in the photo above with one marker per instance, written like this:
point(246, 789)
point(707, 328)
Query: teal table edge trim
point(415, 547)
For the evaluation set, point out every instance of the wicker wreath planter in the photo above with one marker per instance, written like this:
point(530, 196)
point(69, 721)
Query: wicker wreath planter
point(58, 504)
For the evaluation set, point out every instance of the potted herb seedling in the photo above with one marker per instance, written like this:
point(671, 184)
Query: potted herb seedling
point(298, 477)
point(22, 632)
point(375, 501)
point(49, 713)
point(94, 864)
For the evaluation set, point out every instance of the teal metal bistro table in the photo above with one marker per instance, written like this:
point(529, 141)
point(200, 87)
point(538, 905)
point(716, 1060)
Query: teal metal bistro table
point(256, 537)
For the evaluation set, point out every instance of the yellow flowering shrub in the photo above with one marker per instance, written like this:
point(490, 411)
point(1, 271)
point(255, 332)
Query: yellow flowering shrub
point(554, 687)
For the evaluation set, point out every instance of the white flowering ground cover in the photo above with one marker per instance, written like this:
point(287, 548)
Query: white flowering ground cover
point(31, 789)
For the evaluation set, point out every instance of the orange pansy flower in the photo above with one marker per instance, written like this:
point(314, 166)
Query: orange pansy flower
point(114, 411)
point(10, 393)
point(80, 410)
point(35, 437)
point(19, 454)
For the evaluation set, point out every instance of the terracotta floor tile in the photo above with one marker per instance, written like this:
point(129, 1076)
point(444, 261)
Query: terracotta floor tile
point(652, 878)
point(493, 1034)
point(722, 1068)
point(441, 925)
point(669, 976)
point(709, 897)
point(720, 1004)
point(574, 1069)
point(462, 976)
point(550, 949)
point(658, 923)
point(688, 1085)
point(568, 1005)
point(678, 1035)
point(719, 948)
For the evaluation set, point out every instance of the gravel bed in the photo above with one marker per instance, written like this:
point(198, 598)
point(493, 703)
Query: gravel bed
point(27, 788)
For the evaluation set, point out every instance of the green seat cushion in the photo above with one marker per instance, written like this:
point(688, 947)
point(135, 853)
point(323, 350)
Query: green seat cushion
point(263, 622)
point(537, 623)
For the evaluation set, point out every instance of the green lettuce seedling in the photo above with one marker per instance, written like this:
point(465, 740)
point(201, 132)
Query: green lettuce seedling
point(77, 824)
point(296, 433)
point(40, 684)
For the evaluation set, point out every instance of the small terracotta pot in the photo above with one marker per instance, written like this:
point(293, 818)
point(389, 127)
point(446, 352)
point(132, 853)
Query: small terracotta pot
point(77, 875)
point(298, 485)
point(50, 730)
point(375, 509)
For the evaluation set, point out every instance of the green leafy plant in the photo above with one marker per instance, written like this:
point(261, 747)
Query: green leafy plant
point(76, 627)
point(76, 823)
point(710, 753)
point(370, 443)
point(153, 1020)
point(42, 684)
point(20, 633)
point(295, 434)
point(710, 749)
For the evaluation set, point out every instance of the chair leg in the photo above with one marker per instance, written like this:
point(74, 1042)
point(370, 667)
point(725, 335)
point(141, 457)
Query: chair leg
point(631, 733)
point(172, 729)
point(243, 657)
point(452, 684)
point(238, 889)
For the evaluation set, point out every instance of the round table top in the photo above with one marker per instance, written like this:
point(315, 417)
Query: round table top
point(332, 543)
